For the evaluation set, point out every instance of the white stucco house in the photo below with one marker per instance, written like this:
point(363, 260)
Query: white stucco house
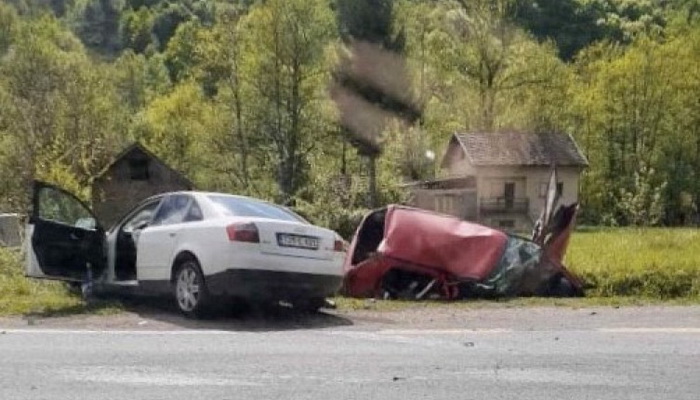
point(500, 179)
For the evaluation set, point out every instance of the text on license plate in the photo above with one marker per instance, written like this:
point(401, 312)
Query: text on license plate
point(299, 241)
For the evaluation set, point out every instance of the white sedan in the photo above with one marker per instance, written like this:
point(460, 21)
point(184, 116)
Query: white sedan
point(199, 247)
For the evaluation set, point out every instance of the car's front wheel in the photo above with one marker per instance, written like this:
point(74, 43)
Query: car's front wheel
point(191, 293)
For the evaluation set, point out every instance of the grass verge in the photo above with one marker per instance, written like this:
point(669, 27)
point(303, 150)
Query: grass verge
point(651, 263)
point(22, 296)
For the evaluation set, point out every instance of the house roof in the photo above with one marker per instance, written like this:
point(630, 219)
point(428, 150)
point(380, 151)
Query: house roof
point(520, 149)
point(139, 148)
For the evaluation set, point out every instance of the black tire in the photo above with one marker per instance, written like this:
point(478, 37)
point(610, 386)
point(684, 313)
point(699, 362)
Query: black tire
point(190, 290)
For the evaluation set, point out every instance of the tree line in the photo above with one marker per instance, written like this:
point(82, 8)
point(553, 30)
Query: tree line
point(329, 105)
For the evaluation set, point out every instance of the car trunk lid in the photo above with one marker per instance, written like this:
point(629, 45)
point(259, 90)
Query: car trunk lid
point(295, 239)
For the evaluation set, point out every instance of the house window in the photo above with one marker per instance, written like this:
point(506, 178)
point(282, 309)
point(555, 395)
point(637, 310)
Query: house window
point(509, 194)
point(560, 188)
point(138, 169)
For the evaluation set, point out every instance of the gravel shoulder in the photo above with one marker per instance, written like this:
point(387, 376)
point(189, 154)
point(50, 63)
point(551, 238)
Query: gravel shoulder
point(418, 317)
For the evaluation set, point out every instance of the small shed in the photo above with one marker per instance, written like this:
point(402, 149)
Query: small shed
point(134, 175)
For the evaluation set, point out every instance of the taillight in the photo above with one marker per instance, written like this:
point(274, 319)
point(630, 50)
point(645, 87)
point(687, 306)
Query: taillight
point(339, 245)
point(243, 232)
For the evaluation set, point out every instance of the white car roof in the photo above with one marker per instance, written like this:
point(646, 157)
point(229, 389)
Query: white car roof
point(205, 194)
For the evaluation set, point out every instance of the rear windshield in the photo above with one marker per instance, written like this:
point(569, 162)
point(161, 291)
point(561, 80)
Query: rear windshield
point(243, 207)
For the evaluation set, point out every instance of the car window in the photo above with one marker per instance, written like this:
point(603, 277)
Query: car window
point(194, 213)
point(55, 205)
point(172, 210)
point(244, 207)
point(140, 216)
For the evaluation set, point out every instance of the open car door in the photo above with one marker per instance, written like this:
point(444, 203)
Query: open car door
point(64, 240)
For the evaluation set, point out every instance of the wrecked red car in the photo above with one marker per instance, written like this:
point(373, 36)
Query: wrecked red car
point(409, 253)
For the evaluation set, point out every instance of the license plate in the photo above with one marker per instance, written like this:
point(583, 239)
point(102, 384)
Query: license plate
point(298, 241)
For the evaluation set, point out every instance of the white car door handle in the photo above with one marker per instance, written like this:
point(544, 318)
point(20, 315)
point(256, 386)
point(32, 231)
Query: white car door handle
point(172, 234)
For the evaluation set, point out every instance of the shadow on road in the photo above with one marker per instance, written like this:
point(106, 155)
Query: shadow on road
point(251, 318)
point(157, 313)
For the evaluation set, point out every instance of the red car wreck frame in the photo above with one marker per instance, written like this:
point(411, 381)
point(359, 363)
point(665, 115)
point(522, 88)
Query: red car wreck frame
point(403, 252)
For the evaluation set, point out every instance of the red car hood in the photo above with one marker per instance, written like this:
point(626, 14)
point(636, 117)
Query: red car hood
point(460, 248)
point(424, 238)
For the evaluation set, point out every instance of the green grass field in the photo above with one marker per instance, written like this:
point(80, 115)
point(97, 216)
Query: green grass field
point(654, 262)
point(619, 266)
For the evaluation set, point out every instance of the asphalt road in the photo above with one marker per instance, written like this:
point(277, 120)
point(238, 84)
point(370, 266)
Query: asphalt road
point(655, 356)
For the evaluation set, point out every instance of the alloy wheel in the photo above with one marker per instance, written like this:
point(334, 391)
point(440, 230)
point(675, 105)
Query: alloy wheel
point(187, 288)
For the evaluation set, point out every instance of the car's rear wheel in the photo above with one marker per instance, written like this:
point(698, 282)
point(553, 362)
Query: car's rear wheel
point(191, 295)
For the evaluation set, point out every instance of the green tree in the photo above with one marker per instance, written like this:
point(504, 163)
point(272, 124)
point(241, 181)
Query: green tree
point(180, 54)
point(479, 71)
point(61, 116)
point(135, 30)
point(130, 80)
point(486, 50)
point(284, 62)
point(175, 126)
point(167, 20)
point(221, 52)
point(635, 112)
point(572, 24)
point(96, 22)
